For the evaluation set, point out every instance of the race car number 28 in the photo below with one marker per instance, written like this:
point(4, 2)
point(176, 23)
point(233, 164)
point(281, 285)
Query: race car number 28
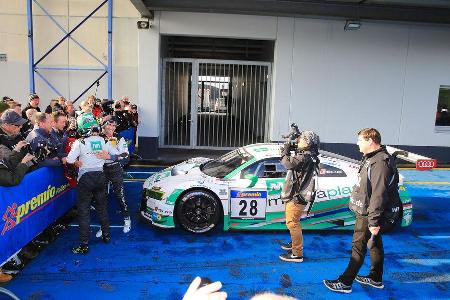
point(247, 204)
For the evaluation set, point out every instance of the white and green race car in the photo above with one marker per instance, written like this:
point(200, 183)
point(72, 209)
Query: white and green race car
point(241, 190)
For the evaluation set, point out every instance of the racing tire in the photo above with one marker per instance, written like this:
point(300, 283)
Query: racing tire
point(198, 211)
point(392, 215)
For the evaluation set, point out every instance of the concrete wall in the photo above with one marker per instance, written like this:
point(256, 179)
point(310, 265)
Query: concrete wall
point(92, 35)
point(384, 75)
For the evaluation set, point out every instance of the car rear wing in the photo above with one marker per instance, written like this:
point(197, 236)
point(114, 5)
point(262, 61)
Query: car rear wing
point(422, 163)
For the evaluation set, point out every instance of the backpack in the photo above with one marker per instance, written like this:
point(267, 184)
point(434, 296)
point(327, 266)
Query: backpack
point(393, 209)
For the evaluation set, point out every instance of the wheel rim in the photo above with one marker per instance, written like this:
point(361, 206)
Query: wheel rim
point(199, 212)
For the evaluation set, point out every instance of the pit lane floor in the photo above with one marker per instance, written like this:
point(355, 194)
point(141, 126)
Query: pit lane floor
point(149, 263)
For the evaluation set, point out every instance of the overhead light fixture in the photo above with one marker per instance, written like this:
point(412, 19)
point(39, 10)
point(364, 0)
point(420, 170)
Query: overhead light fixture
point(352, 25)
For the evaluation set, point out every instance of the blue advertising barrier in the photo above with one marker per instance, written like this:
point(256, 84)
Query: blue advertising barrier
point(129, 136)
point(27, 209)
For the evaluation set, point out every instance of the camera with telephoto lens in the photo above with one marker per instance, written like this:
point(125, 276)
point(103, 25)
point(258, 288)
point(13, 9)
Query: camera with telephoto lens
point(41, 152)
point(292, 136)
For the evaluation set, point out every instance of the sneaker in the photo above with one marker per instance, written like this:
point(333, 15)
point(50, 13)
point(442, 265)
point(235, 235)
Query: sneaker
point(369, 281)
point(106, 238)
point(286, 246)
point(291, 257)
point(338, 286)
point(127, 225)
point(99, 233)
point(81, 249)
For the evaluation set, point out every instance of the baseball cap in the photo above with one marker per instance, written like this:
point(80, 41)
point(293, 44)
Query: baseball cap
point(9, 116)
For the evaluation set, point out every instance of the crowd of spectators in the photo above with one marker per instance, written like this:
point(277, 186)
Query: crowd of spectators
point(30, 138)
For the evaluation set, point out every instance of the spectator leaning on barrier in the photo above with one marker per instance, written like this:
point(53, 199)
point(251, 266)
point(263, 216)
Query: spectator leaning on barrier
point(41, 139)
point(59, 128)
point(14, 159)
point(33, 103)
point(92, 151)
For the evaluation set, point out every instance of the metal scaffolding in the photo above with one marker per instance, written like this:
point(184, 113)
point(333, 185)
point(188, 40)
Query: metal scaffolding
point(33, 65)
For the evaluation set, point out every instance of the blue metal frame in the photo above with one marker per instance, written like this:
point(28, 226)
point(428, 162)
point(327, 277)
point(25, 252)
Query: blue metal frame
point(33, 66)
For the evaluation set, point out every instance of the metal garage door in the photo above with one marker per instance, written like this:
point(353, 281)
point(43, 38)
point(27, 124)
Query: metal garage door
point(213, 104)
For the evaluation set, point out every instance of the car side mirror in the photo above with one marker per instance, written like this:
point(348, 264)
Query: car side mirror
point(253, 179)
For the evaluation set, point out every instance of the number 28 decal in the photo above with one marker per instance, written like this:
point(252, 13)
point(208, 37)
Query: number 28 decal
point(248, 204)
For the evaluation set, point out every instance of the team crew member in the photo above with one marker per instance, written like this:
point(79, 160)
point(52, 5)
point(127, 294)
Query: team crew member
point(300, 168)
point(92, 152)
point(114, 172)
point(367, 201)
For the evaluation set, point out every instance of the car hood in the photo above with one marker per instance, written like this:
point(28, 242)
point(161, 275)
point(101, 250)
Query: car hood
point(184, 171)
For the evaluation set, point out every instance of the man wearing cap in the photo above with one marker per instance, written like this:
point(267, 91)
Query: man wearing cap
point(14, 159)
point(33, 103)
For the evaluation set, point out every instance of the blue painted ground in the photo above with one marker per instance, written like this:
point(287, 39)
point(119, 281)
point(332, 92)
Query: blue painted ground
point(150, 263)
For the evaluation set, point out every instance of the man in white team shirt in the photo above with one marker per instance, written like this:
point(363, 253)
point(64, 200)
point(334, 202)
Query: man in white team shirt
point(92, 151)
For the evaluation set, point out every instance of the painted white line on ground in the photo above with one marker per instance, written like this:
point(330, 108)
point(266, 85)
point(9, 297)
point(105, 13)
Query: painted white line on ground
point(434, 237)
point(429, 262)
point(433, 279)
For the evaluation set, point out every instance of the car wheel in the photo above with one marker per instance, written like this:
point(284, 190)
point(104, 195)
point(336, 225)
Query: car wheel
point(392, 215)
point(198, 211)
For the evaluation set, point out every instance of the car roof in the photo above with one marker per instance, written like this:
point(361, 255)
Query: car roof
point(265, 150)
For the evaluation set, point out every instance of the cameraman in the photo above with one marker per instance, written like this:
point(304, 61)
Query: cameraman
point(43, 144)
point(300, 168)
point(14, 159)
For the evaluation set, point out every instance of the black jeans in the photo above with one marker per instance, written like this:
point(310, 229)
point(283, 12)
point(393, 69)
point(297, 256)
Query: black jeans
point(361, 236)
point(91, 186)
point(114, 173)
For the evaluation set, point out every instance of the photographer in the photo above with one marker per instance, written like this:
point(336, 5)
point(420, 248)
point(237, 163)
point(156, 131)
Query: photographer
point(14, 159)
point(122, 116)
point(301, 167)
point(43, 144)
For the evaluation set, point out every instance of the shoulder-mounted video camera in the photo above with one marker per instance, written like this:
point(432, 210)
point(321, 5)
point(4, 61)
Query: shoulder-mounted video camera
point(292, 136)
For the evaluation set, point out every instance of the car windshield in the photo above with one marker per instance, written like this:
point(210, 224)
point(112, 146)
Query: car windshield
point(225, 164)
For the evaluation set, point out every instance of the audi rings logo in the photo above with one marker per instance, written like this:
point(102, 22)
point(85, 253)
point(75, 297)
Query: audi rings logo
point(425, 164)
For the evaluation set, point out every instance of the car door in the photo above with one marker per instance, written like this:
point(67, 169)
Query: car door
point(263, 208)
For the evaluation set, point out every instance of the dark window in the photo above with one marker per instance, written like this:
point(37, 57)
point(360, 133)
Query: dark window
point(330, 171)
point(442, 113)
point(268, 168)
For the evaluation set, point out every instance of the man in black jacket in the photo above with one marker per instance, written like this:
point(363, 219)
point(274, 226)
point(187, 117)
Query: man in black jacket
point(369, 196)
point(300, 168)
point(34, 103)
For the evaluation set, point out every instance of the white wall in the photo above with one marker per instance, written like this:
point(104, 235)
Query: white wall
point(384, 75)
point(93, 35)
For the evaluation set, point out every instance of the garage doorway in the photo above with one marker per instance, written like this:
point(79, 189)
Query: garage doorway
point(214, 104)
